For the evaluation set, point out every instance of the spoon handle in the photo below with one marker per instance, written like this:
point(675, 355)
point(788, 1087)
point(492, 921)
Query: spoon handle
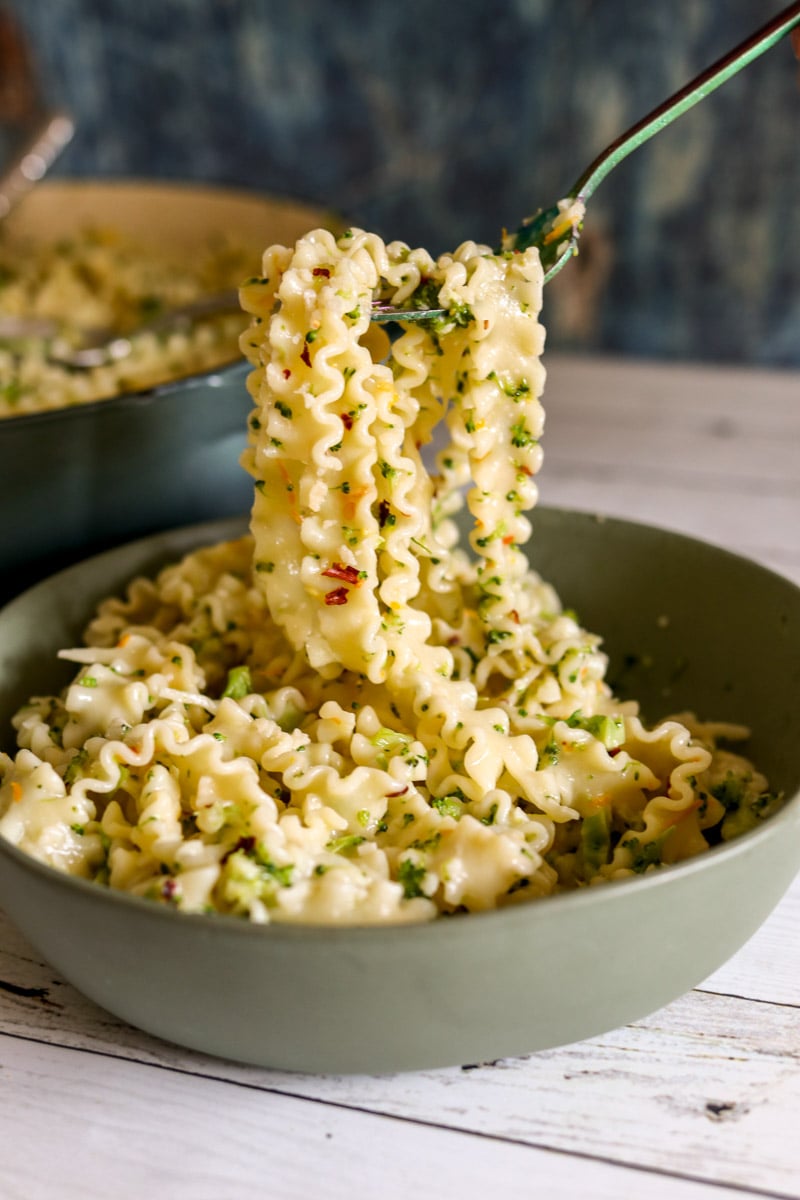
point(42, 147)
point(700, 87)
point(103, 346)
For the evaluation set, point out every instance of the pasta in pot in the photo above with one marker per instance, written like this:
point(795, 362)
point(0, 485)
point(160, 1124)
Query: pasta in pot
point(346, 716)
point(101, 279)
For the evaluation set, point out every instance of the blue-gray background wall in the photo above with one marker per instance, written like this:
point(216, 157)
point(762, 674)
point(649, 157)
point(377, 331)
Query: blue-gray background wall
point(437, 121)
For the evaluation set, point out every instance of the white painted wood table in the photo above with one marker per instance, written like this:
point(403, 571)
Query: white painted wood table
point(699, 1101)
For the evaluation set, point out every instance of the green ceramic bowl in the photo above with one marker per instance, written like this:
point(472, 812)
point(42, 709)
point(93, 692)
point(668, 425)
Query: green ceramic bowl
point(93, 475)
point(470, 988)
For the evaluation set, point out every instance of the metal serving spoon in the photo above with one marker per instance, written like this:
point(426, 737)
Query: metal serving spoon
point(33, 160)
point(102, 346)
point(556, 230)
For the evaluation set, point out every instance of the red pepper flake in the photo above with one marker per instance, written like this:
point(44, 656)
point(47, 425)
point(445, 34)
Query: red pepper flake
point(286, 372)
point(508, 539)
point(340, 571)
point(526, 470)
point(514, 616)
point(485, 324)
point(306, 357)
point(322, 271)
point(384, 512)
point(337, 596)
point(347, 420)
point(391, 795)
point(169, 889)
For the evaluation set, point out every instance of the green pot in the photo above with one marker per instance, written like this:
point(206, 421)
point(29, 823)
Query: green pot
point(82, 478)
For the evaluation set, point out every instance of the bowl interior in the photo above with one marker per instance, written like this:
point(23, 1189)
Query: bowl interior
point(687, 625)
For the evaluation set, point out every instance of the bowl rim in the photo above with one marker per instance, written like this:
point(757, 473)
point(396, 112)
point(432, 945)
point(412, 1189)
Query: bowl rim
point(216, 924)
point(227, 369)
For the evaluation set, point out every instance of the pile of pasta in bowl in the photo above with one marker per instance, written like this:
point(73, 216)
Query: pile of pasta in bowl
point(355, 713)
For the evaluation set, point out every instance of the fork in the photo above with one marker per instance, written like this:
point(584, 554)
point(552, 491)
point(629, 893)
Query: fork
point(556, 230)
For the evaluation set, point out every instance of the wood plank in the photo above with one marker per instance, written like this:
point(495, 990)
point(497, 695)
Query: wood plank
point(709, 1087)
point(768, 967)
point(756, 529)
point(708, 452)
point(75, 1130)
point(698, 391)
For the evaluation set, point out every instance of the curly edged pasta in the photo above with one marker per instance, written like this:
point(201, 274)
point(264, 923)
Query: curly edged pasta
point(346, 716)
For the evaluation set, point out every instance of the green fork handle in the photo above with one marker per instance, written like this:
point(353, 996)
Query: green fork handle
point(686, 98)
point(532, 230)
